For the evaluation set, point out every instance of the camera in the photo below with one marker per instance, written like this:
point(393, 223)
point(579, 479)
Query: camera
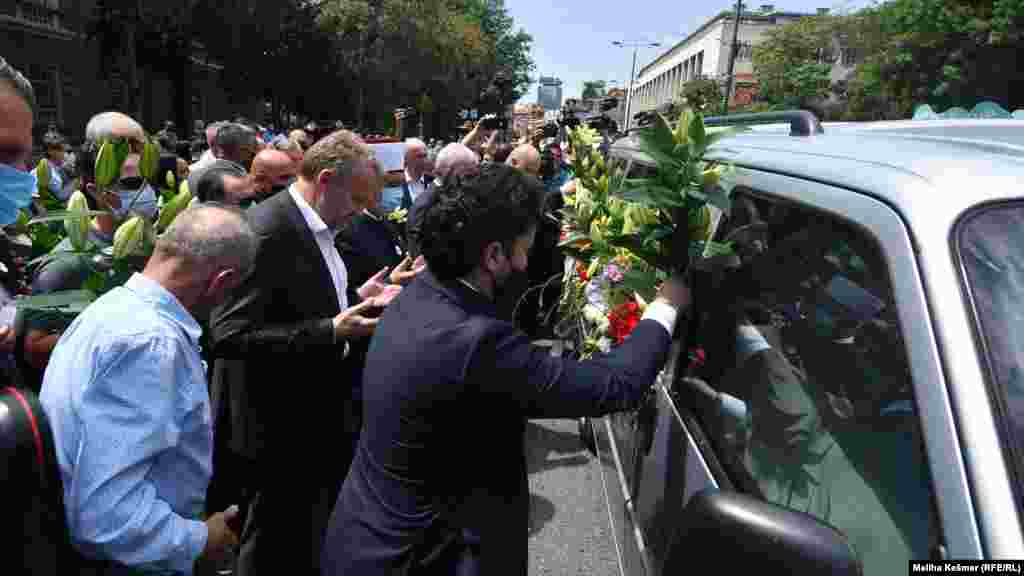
point(550, 130)
point(492, 122)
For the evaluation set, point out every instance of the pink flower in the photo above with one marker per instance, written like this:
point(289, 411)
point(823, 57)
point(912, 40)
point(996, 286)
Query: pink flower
point(613, 274)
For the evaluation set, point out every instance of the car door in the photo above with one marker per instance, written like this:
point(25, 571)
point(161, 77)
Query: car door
point(806, 397)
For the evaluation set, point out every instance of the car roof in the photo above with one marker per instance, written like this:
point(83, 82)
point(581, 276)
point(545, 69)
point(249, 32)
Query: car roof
point(914, 165)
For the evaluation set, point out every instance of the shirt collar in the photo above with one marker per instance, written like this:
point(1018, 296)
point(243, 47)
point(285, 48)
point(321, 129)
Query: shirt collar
point(151, 291)
point(313, 220)
point(409, 178)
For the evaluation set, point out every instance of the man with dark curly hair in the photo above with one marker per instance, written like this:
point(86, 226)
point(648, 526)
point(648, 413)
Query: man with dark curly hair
point(442, 371)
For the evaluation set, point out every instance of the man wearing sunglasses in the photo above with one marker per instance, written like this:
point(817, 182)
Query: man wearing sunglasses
point(63, 269)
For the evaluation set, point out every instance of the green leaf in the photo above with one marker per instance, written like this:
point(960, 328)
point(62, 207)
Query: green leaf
point(716, 134)
point(96, 282)
point(60, 216)
point(719, 198)
point(653, 196)
point(659, 135)
point(698, 137)
point(121, 151)
point(664, 159)
point(642, 281)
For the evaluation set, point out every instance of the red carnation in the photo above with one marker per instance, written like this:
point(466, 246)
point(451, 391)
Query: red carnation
point(582, 271)
point(622, 320)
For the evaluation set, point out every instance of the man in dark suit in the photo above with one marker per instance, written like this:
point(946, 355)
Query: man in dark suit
point(453, 160)
point(278, 344)
point(421, 496)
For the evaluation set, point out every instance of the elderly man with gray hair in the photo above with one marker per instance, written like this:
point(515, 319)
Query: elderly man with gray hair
point(234, 147)
point(126, 396)
point(452, 161)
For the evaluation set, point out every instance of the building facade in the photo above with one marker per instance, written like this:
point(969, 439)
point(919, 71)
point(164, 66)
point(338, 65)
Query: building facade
point(45, 40)
point(706, 53)
point(549, 93)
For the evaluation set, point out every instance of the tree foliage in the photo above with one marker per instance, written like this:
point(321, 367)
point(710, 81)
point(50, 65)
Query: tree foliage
point(594, 89)
point(908, 52)
point(702, 94)
point(351, 59)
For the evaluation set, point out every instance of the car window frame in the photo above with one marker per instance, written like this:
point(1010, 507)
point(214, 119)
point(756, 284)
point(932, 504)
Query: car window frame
point(1012, 450)
point(960, 530)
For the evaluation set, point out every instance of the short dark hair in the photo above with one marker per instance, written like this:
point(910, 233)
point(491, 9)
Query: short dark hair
point(22, 87)
point(232, 137)
point(211, 187)
point(498, 204)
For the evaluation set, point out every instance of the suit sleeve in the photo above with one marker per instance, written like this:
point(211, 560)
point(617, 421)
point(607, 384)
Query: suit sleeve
point(239, 327)
point(509, 370)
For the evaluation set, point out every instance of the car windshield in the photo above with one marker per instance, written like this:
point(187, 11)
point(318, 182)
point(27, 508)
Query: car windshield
point(991, 247)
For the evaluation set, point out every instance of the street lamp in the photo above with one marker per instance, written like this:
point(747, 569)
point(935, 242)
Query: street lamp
point(634, 45)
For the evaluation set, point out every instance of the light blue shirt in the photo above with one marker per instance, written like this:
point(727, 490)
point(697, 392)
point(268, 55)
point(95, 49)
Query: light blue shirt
point(126, 395)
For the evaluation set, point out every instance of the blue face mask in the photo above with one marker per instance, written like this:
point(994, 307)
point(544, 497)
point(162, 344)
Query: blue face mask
point(16, 188)
point(145, 204)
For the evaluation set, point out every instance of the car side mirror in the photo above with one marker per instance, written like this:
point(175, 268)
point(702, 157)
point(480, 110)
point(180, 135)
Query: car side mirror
point(767, 538)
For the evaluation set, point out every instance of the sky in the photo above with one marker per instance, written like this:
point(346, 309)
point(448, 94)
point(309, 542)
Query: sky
point(572, 39)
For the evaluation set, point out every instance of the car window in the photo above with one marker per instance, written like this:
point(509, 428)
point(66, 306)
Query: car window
point(991, 249)
point(805, 392)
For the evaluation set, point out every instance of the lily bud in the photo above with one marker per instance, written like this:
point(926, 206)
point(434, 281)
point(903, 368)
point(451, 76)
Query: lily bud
point(169, 212)
point(711, 177)
point(150, 160)
point(77, 222)
point(43, 175)
point(128, 237)
point(106, 165)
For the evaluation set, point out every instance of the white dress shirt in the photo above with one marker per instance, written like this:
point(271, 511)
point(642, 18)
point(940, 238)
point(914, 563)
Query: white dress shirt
point(416, 187)
point(325, 240)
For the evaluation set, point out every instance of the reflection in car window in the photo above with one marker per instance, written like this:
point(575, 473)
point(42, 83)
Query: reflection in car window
point(809, 404)
point(991, 245)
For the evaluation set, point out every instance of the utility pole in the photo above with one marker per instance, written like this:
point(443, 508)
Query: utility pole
point(730, 79)
point(632, 74)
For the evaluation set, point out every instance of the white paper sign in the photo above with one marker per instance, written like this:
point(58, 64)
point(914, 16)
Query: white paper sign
point(391, 156)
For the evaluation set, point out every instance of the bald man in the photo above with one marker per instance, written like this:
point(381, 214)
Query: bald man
point(272, 171)
point(416, 165)
point(526, 158)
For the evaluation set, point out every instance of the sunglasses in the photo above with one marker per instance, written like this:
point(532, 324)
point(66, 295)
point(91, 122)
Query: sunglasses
point(130, 182)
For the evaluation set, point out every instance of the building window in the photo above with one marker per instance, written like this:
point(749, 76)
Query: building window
point(42, 12)
point(46, 85)
point(745, 51)
point(850, 57)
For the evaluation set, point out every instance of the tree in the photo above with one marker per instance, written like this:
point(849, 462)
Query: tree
point(793, 62)
point(594, 89)
point(701, 94)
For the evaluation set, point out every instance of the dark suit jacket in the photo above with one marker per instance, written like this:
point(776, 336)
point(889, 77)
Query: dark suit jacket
point(370, 242)
point(414, 220)
point(448, 389)
point(407, 200)
point(273, 342)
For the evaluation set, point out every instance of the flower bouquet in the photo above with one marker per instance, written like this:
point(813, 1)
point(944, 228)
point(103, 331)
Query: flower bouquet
point(624, 236)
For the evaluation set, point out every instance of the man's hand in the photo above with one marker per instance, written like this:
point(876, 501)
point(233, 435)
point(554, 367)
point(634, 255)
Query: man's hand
point(7, 339)
point(352, 324)
point(407, 270)
point(221, 538)
point(675, 293)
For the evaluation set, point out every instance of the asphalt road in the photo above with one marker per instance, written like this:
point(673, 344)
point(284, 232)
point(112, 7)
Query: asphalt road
point(570, 532)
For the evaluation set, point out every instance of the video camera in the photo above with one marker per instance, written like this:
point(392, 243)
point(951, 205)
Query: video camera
point(494, 122)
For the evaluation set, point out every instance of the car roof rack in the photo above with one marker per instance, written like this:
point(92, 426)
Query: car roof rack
point(801, 122)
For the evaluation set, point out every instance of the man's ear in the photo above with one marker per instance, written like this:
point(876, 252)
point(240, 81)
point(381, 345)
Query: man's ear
point(323, 179)
point(493, 255)
point(222, 281)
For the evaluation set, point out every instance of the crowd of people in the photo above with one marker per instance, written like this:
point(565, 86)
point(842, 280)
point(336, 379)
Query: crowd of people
point(294, 380)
